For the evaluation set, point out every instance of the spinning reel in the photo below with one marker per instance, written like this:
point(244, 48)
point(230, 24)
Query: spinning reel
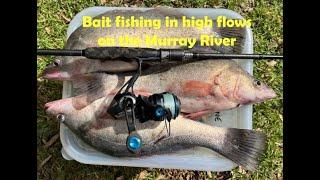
point(158, 107)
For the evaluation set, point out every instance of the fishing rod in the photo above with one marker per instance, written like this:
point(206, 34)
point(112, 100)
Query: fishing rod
point(150, 54)
point(158, 107)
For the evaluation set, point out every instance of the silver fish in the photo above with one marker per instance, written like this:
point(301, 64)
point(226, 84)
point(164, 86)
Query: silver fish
point(93, 125)
point(202, 87)
point(66, 67)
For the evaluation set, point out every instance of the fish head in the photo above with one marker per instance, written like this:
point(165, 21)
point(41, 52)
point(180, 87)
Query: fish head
point(252, 90)
point(243, 88)
point(58, 107)
point(57, 71)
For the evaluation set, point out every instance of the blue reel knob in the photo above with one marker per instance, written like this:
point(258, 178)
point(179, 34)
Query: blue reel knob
point(159, 112)
point(134, 142)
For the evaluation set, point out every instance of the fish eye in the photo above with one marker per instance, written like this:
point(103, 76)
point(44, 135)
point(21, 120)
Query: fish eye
point(256, 82)
point(56, 62)
point(61, 117)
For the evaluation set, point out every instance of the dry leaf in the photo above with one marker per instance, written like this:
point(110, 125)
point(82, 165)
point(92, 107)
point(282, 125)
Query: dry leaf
point(120, 178)
point(209, 174)
point(271, 63)
point(66, 20)
point(103, 1)
point(119, 2)
point(241, 170)
point(47, 30)
point(51, 141)
point(45, 161)
point(280, 145)
point(143, 175)
point(160, 177)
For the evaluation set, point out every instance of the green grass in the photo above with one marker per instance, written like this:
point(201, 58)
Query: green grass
point(53, 16)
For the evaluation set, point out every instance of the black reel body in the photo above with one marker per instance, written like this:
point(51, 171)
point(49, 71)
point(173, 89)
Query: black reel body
point(158, 107)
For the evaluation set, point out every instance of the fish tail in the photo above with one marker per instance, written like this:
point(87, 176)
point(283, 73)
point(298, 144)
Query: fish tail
point(244, 147)
point(226, 32)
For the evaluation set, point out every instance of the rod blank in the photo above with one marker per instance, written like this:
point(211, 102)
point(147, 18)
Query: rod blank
point(236, 56)
point(59, 52)
point(109, 53)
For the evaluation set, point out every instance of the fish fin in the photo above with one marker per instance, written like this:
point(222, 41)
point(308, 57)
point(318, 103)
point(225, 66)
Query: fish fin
point(196, 88)
point(225, 32)
point(243, 147)
point(168, 11)
point(87, 83)
point(86, 89)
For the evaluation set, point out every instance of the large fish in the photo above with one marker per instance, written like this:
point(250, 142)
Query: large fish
point(97, 128)
point(83, 38)
point(202, 87)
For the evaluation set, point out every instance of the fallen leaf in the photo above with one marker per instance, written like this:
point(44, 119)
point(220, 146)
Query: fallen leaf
point(66, 20)
point(271, 63)
point(143, 175)
point(160, 177)
point(120, 178)
point(103, 1)
point(45, 161)
point(280, 145)
point(51, 141)
point(48, 30)
point(209, 174)
point(241, 170)
point(40, 79)
point(119, 2)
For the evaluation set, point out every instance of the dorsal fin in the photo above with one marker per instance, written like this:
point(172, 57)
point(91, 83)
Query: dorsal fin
point(167, 11)
point(238, 33)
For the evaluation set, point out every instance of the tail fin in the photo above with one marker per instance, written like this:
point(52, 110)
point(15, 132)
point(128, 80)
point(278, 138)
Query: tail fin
point(243, 147)
point(90, 87)
point(238, 33)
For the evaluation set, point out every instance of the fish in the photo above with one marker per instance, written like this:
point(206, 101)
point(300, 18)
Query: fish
point(207, 87)
point(97, 128)
point(202, 87)
point(83, 38)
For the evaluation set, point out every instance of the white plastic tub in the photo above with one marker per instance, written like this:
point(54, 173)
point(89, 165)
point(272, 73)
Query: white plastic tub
point(192, 159)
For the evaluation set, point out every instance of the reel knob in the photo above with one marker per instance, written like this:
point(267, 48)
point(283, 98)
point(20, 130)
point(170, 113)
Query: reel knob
point(134, 142)
point(159, 113)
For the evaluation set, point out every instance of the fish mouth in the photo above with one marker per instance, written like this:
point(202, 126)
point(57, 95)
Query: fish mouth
point(53, 74)
point(52, 108)
point(267, 94)
point(48, 108)
point(271, 94)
